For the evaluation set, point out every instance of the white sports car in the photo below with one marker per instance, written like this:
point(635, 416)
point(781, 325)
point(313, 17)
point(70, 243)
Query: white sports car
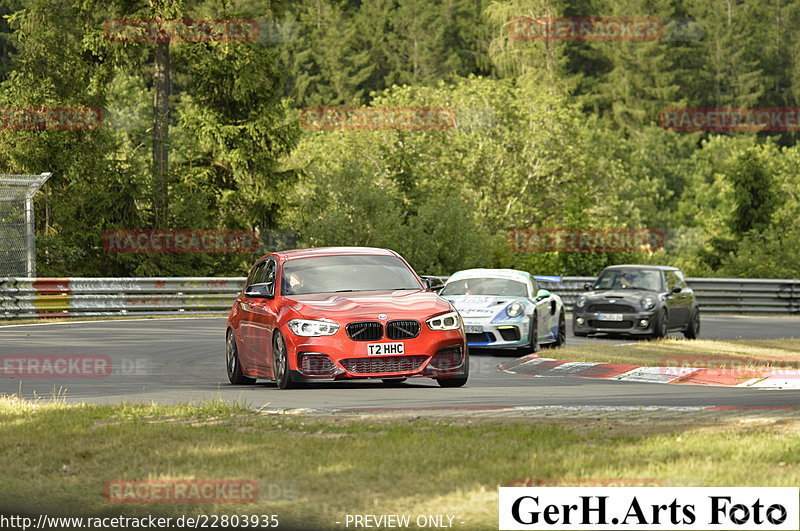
point(504, 308)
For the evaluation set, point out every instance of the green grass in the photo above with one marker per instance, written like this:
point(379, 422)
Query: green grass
point(57, 457)
point(783, 353)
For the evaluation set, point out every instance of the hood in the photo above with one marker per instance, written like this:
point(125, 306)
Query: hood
point(632, 296)
point(366, 305)
point(476, 306)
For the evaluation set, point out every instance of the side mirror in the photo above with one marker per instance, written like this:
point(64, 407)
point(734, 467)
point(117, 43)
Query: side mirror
point(542, 294)
point(432, 283)
point(676, 289)
point(588, 287)
point(261, 291)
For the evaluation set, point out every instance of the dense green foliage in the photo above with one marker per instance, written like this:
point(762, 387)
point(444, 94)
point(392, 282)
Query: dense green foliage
point(548, 134)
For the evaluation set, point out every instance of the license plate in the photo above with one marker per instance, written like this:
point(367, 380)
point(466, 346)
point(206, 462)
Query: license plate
point(385, 349)
point(609, 317)
point(473, 329)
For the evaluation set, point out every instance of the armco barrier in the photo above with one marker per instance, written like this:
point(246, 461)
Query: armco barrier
point(87, 297)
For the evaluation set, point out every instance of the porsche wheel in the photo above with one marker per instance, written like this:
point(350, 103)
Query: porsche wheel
point(693, 328)
point(561, 338)
point(533, 343)
point(234, 368)
point(280, 362)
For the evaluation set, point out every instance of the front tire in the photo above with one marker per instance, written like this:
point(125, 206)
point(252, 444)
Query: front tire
point(459, 381)
point(660, 330)
point(693, 327)
point(561, 339)
point(533, 344)
point(280, 362)
point(234, 368)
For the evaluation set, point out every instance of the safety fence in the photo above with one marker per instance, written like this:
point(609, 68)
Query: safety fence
point(87, 297)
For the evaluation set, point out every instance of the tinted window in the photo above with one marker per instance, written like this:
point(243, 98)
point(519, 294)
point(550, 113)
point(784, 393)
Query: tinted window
point(644, 279)
point(673, 279)
point(258, 271)
point(486, 286)
point(329, 274)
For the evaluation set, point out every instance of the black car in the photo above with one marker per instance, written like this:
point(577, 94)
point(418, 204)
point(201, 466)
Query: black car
point(640, 300)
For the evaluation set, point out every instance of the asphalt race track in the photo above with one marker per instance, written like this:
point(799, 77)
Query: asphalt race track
point(182, 360)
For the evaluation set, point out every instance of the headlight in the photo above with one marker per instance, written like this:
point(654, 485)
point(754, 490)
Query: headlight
point(648, 303)
point(581, 302)
point(310, 328)
point(514, 309)
point(446, 321)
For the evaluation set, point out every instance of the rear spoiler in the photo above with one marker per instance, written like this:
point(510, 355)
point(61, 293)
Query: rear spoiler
point(547, 278)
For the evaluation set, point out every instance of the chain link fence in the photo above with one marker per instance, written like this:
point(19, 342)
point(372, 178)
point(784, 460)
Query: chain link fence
point(17, 239)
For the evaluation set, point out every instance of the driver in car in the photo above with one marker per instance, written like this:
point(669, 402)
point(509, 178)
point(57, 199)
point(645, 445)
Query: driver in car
point(628, 280)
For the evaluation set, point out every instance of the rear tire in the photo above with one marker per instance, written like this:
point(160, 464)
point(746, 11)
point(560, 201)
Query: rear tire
point(280, 362)
point(234, 368)
point(693, 327)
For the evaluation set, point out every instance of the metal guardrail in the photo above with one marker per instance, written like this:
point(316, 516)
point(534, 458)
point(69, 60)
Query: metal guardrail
point(88, 297)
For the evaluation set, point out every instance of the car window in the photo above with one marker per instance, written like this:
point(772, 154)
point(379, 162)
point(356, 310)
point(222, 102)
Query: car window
point(330, 274)
point(673, 280)
point(486, 286)
point(269, 271)
point(641, 279)
point(258, 272)
point(681, 279)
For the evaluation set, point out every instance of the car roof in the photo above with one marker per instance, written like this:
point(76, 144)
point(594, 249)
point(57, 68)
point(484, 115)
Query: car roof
point(292, 254)
point(512, 274)
point(638, 266)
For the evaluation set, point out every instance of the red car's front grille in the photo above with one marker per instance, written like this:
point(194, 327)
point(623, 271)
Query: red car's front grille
point(365, 331)
point(402, 329)
point(383, 364)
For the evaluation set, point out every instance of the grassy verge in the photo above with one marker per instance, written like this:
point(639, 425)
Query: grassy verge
point(7, 322)
point(314, 470)
point(779, 353)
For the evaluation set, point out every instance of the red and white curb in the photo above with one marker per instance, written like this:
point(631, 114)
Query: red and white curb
point(533, 365)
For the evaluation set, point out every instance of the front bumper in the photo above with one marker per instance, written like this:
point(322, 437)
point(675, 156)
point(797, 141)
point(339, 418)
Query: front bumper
point(640, 323)
point(432, 354)
point(506, 334)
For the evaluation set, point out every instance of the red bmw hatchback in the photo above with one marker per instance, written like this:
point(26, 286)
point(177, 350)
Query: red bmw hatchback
point(342, 312)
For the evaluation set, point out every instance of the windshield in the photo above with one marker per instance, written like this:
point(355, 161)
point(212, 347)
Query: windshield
point(486, 286)
point(329, 274)
point(643, 279)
